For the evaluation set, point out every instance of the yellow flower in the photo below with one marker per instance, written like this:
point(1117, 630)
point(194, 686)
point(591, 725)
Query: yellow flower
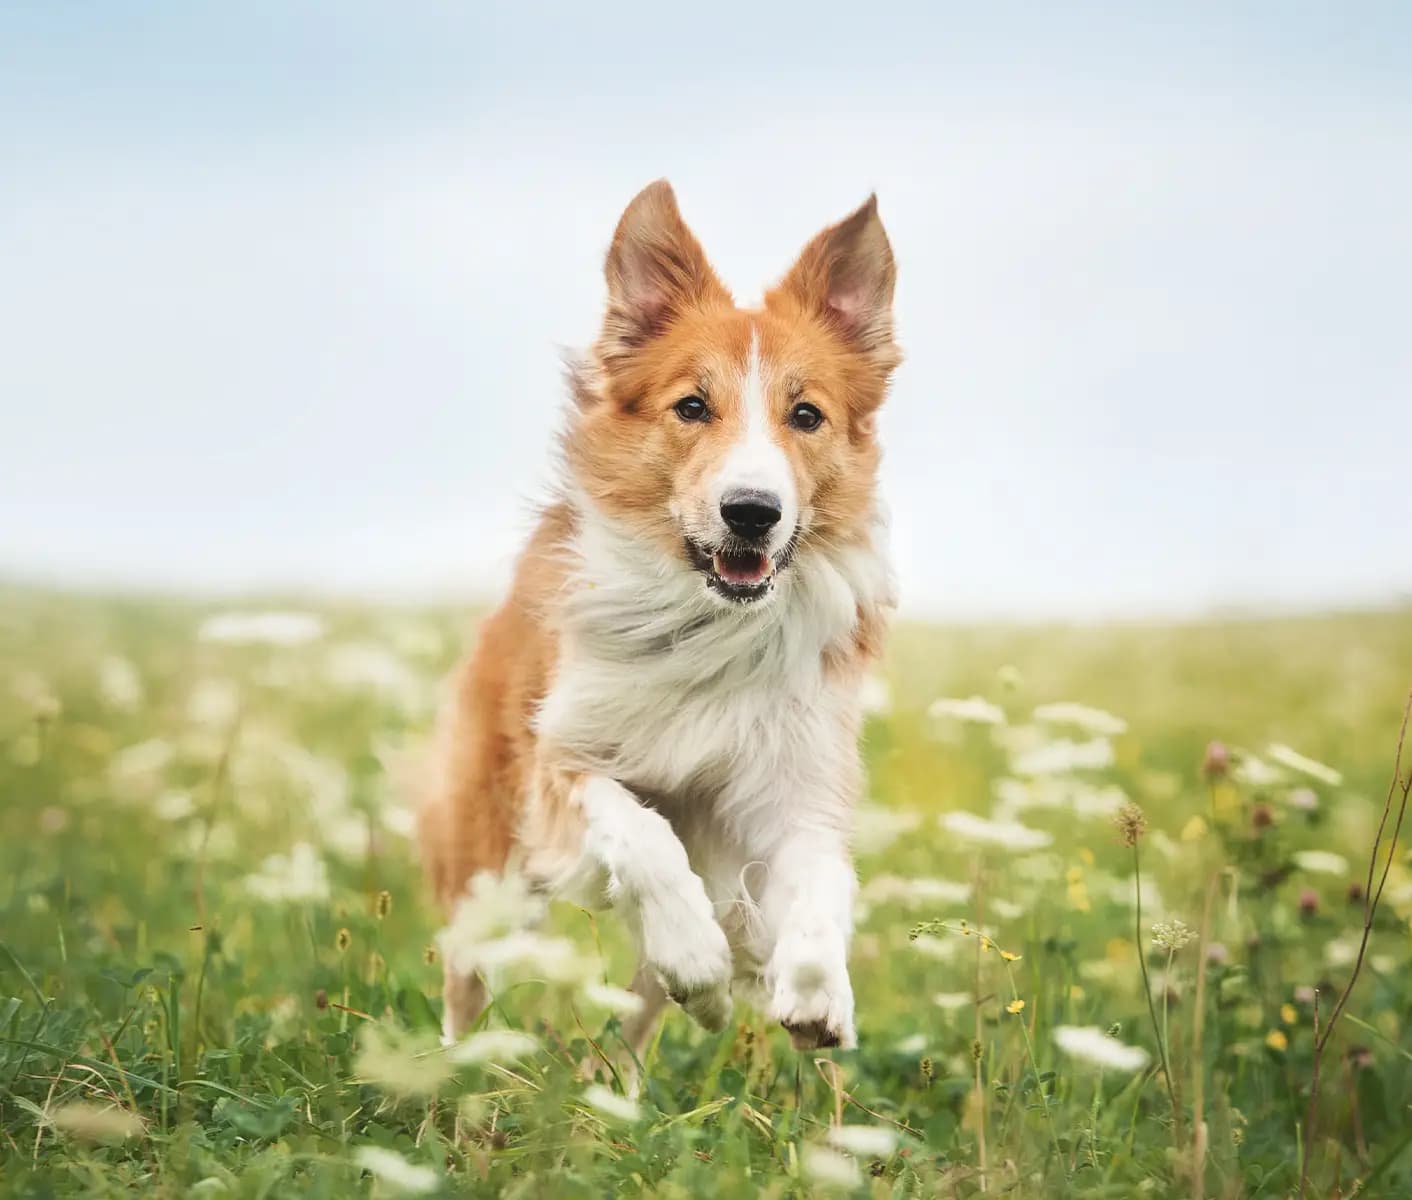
point(1018, 1006)
point(1075, 992)
point(1087, 855)
point(1276, 1040)
point(1194, 830)
point(1074, 874)
point(1008, 957)
point(1288, 1014)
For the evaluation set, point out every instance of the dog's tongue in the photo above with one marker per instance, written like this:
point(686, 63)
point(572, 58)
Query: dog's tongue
point(737, 566)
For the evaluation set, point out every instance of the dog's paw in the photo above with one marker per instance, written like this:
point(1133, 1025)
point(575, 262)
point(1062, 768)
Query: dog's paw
point(692, 958)
point(810, 994)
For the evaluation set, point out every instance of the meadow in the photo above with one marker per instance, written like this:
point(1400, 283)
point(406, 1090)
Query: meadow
point(1114, 882)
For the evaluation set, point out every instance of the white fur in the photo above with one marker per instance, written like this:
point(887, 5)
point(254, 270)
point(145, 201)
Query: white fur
point(633, 859)
point(757, 460)
point(808, 908)
point(724, 721)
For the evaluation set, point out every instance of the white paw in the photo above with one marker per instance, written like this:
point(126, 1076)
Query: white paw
point(810, 994)
point(690, 954)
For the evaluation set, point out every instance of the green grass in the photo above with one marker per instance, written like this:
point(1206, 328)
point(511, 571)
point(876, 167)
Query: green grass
point(142, 974)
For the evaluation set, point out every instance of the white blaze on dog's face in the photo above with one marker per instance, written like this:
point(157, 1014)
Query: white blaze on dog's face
point(736, 438)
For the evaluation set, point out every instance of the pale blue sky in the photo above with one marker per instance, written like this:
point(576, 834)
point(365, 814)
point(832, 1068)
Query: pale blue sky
point(281, 285)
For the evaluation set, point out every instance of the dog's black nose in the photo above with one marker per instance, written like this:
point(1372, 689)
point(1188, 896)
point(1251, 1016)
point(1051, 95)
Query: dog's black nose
point(750, 513)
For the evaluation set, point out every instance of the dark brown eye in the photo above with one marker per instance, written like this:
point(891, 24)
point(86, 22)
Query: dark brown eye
point(692, 408)
point(805, 417)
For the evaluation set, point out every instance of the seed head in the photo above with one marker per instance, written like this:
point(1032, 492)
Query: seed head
point(1131, 823)
point(343, 940)
point(384, 905)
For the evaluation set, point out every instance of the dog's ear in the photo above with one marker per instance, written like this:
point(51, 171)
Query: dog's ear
point(655, 269)
point(846, 276)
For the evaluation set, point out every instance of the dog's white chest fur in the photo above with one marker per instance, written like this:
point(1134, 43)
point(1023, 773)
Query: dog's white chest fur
point(719, 715)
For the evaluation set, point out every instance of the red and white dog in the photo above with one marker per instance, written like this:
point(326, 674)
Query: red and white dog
point(663, 716)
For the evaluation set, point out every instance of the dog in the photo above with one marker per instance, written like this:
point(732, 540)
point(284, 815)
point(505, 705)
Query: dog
point(663, 715)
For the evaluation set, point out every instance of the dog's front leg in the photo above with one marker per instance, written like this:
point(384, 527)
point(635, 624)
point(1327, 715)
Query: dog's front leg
point(807, 905)
point(630, 856)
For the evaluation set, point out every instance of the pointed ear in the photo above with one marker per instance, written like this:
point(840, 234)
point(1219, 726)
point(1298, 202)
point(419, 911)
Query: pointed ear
point(846, 276)
point(655, 268)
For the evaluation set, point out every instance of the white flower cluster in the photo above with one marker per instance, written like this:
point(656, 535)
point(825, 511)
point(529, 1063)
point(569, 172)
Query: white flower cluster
point(492, 932)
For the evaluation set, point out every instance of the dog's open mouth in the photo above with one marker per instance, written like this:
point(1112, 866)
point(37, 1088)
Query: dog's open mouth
point(738, 573)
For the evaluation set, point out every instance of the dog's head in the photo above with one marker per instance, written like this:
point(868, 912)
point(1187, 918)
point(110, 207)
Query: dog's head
point(736, 439)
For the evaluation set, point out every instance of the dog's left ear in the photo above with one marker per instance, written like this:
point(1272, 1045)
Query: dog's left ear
point(846, 275)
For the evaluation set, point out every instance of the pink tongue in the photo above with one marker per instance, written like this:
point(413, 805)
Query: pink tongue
point(741, 568)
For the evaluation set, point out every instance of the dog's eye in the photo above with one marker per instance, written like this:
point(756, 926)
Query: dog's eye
point(805, 417)
point(692, 408)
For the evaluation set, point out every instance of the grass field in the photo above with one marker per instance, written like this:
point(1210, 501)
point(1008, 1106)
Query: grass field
point(218, 971)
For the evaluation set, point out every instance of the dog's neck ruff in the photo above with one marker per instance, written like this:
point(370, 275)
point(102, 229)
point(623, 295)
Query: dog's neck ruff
point(630, 602)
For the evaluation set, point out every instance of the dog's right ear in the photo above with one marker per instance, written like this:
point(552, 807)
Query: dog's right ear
point(655, 270)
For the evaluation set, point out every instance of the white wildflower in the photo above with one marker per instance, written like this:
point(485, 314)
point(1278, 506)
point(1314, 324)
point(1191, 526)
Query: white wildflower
point(613, 999)
point(220, 842)
point(400, 820)
point(1091, 1045)
point(610, 1104)
point(913, 1044)
point(489, 933)
point(494, 1046)
point(401, 1063)
point(1172, 935)
point(1010, 835)
point(1255, 772)
point(876, 696)
point(213, 703)
point(1063, 756)
point(119, 683)
point(95, 1122)
point(494, 905)
point(951, 1001)
point(368, 667)
point(1305, 766)
point(141, 761)
point(270, 628)
point(415, 639)
point(1006, 910)
point(941, 949)
point(1341, 952)
point(865, 1141)
point(1323, 862)
point(525, 955)
point(976, 710)
point(830, 1169)
point(1081, 716)
point(34, 692)
point(173, 806)
point(915, 892)
point(1078, 796)
point(876, 827)
point(347, 836)
point(298, 876)
point(396, 1172)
